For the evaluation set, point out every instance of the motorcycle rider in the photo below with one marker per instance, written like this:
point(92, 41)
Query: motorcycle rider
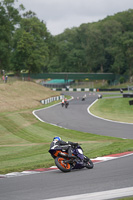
point(57, 143)
point(83, 98)
point(66, 102)
point(62, 102)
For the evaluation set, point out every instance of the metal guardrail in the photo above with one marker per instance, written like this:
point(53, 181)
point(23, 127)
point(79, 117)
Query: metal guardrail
point(51, 99)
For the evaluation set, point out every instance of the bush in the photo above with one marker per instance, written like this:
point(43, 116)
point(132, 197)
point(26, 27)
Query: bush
point(122, 80)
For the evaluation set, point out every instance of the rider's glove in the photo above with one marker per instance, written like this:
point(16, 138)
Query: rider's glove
point(75, 144)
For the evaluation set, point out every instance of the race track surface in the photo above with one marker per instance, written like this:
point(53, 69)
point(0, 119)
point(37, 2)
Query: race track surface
point(76, 117)
point(106, 176)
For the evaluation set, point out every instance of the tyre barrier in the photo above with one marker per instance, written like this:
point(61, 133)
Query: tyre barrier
point(127, 95)
point(113, 90)
point(131, 102)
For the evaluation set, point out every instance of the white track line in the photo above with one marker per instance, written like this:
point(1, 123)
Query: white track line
point(47, 108)
point(124, 192)
point(110, 194)
point(88, 110)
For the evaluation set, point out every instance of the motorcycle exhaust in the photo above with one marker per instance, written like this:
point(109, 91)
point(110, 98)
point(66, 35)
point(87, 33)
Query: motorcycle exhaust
point(63, 154)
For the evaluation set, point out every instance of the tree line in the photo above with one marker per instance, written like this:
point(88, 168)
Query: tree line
point(27, 45)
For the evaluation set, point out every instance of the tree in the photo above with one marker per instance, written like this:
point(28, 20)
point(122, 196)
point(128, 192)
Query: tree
point(128, 46)
point(9, 18)
point(95, 51)
point(30, 44)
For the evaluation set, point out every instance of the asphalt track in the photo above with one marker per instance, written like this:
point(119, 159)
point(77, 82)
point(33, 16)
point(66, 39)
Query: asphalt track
point(76, 117)
point(106, 177)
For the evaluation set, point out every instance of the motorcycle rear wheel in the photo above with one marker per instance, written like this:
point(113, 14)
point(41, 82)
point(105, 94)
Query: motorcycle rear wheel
point(89, 164)
point(64, 167)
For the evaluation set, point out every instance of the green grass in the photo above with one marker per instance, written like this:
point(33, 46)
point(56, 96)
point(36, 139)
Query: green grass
point(25, 141)
point(112, 95)
point(117, 109)
point(126, 198)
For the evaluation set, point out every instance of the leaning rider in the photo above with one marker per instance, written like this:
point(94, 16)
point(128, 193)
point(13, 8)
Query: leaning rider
point(57, 143)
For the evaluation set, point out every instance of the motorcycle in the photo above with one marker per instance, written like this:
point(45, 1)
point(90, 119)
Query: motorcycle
point(66, 164)
point(66, 104)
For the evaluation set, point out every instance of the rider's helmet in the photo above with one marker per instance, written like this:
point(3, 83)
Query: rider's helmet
point(56, 138)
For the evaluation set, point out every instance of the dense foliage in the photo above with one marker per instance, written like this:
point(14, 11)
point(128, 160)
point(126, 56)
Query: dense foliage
point(104, 46)
point(26, 44)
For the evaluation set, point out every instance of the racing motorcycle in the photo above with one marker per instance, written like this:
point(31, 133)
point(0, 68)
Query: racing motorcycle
point(77, 161)
point(66, 104)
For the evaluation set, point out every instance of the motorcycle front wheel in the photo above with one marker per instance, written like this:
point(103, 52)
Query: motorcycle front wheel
point(64, 167)
point(89, 164)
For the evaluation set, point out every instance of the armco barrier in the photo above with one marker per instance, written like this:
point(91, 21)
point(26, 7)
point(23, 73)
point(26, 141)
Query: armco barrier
point(112, 89)
point(49, 100)
point(88, 89)
point(75, 89)
point(127, 95)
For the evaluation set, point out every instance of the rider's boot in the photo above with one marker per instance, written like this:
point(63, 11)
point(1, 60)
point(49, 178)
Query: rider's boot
point(70, 153)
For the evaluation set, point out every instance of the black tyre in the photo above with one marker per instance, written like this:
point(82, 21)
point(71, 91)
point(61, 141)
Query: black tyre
point(64, 167)
point(89, 164)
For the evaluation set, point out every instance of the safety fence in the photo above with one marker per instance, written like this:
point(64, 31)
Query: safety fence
point(89, 89)
point(51, 99)
point(74, 89)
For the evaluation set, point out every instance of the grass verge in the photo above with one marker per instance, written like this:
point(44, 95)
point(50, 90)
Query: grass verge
point(126, 198)
point(117, 109)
